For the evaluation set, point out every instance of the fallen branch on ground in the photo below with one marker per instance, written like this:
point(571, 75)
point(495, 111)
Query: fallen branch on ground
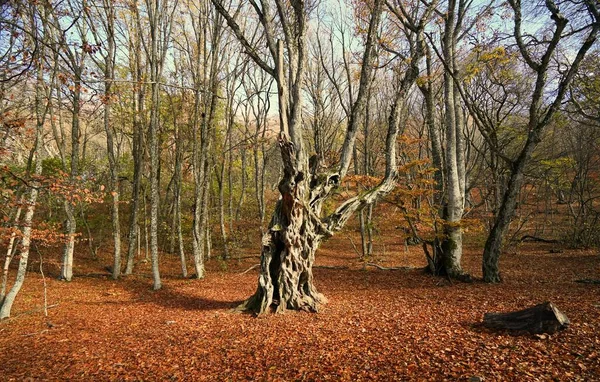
point(588, 281)
point(539, 239)
point(249, 269)
point(33, 334)
point(39, 309)
point(389, 268)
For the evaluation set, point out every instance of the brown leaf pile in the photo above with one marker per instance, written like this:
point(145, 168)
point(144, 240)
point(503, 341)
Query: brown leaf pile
point(378, 325)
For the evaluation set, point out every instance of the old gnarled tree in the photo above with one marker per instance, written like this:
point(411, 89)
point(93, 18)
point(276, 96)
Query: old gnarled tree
point(297, 226)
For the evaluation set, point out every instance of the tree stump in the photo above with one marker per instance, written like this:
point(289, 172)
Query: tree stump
point(542, 318)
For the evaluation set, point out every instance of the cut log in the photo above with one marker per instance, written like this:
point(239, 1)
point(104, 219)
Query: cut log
point(542, 318)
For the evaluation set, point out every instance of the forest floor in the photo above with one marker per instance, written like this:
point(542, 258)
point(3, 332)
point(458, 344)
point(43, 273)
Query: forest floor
point(378, 325)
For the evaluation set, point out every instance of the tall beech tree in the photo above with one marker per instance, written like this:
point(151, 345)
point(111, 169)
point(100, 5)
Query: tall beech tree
point(540, 55)
point(454, 201)
point(456, 25)
point(39, 35)
point(160, 16)
point(138, 90)
point(72, 58)
point(106, 18)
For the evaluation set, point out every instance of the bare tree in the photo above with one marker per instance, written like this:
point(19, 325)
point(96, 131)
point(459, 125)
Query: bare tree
point(106, 17)
point(297, 228)
point(160, 16)
point(138, 73)
point(38, 33)
point(538, 54)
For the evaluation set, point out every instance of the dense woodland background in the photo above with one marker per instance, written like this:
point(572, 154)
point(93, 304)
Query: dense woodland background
point(171, 129)
point(155, 141)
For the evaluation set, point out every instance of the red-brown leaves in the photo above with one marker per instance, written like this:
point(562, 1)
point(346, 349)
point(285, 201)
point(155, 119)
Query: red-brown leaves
point(378, 325)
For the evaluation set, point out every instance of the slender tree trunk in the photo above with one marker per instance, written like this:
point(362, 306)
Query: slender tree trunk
point(221, 185)
point(538, 118)
point(493, 244)
point(207, 238)
point(10, 249)
point(203, 126)
point(113, 158)
point(259, 191)
point(243, 181)
point(177, 198)
point(366, 221)
point(198, 173)
point(160, 19)
point(7, 301)
point(71, 224)
point(432, 130)
point(154, 163)
point(138, 96)
point(184, 272)
point(230, 181)
point(454, 203)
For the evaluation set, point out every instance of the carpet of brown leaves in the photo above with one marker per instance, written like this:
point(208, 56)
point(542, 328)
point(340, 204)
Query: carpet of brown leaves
point(378, 324)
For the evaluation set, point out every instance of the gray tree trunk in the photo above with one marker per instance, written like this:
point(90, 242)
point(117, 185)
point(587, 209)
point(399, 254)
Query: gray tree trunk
point(160, 17)
point(177, 202)
point(138, 96)
point(198, 155)
point(41, 110)
point(11, 249)
point(454, 196)
point(113, 156)
point(153, 11)
point(66, 272)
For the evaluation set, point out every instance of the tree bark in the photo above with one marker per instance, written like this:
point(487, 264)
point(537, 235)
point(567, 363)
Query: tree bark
point(454, 196)
point(41, 110)
point(296, 228)
point(288, 247)
point(11, 248)
point(154, 15)
point(138, 95)
point(113, 156)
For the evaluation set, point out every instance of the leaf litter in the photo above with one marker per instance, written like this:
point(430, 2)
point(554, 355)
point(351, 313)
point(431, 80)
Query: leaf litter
point(378, 324)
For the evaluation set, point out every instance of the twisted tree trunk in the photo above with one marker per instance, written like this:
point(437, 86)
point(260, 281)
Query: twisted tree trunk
point(296, 231)
point(288, 246)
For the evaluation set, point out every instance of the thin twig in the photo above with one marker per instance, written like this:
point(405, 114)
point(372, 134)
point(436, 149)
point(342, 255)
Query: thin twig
point(33, 334)
point(44, 280)
point(354, 246)
point(249, 269)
